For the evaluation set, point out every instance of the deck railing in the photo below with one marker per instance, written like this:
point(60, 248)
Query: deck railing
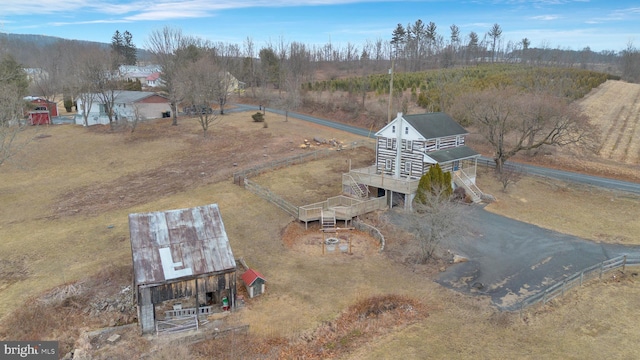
point(370, 176)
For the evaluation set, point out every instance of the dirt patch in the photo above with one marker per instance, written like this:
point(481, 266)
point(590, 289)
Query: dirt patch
point(351, 243)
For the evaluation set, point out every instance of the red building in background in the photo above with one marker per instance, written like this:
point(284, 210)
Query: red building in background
point(42, 112)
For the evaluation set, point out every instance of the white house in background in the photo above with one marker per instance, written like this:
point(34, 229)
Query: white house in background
point(147, 105)
point(405, 150)
point(140, 73)
point(154, 80)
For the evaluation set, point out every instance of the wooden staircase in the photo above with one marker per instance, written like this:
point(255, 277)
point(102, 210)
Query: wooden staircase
point(461, 179)
point(328, 220)
point(361, 191)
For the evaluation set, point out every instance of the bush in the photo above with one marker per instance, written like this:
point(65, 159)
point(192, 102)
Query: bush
point(258, 117)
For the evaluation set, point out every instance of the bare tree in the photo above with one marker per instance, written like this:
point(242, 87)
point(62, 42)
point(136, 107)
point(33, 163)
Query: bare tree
point(13, 87)
point(200, 87)
point(631, 63)
point(512, 121)
point(510, 175)
point(172, 50)
point(434, 222)
point(90, 71)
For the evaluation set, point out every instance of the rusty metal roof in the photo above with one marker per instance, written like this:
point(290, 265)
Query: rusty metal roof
point(173, 244)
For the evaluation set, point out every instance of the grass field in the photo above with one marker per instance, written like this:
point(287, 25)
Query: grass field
point(64, 219)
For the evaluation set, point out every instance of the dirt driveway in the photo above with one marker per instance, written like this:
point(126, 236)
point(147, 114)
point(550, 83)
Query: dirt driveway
point(510, 260)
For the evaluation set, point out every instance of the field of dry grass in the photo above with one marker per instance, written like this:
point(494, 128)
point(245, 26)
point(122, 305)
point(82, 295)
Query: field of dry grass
point(64, 218)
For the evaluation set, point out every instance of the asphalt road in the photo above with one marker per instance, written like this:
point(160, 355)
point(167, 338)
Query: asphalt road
point(510, 260)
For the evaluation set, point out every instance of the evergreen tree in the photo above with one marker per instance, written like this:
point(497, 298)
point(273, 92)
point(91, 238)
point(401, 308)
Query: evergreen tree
point(117, 48)
point(129, 49)
point(435, 182)
point(123, 48)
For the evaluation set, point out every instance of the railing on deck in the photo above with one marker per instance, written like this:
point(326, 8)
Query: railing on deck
point(370, 176)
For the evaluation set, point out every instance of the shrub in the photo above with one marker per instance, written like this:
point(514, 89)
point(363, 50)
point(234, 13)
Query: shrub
point(258, 117)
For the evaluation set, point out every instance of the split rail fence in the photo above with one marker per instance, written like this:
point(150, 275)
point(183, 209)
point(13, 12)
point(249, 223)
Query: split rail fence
point(579, 278)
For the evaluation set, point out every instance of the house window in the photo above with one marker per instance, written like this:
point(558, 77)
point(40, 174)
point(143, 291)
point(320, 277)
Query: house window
point(409, 146)
point(389, 143)
point(406, 130)
point(393, 129)
point(407, 167)
point(387, 164)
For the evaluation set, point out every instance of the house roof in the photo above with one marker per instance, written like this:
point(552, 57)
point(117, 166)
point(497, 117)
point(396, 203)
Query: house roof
point(451, 154)
point(435, 125)
point(130, 97)
point(250, 276)
point(154, 76)
point(173, 244)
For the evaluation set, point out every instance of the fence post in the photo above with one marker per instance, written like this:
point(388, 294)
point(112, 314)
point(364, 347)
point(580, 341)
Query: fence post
point(624, 262)
point(601, 269)
point(581, 277)
point(564, 284)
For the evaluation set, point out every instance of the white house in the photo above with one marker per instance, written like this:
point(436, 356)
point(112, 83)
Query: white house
point(405, 150)
point(127, 106)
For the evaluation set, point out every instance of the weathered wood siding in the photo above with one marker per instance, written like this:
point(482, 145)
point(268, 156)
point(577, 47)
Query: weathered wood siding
point(386, 156)
point(187, 288)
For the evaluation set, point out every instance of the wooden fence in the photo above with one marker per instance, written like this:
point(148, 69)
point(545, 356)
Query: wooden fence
point(373, 231)
point(577, 279)
point(238, 177)
point(271, 197)
point(184, 323)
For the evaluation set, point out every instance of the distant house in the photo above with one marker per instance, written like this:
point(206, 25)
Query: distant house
point(181, 255)
point(127, 105)
point(405, 150)
point(139, 73)
point(153, 80)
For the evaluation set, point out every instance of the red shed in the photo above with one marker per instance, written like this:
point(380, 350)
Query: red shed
point(254, 282)
point(43, 104)
point(39, 117)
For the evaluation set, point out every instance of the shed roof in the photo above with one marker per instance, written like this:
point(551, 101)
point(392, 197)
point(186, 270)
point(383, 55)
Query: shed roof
point(172, 244)
point(435, 125)
point(250, 276)
point(130, 97)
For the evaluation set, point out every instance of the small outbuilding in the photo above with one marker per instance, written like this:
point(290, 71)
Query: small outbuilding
point(178, 254)
point(41, 104)
point(254, 282)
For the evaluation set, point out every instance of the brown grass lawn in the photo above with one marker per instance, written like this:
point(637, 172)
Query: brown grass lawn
point(64, 217)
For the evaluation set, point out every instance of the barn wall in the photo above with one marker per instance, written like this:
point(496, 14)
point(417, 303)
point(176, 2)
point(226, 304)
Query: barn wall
point(186, 288)
point(153, 110)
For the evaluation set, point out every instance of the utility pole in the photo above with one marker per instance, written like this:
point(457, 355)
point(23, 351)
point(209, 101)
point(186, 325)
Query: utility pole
point(390, 90)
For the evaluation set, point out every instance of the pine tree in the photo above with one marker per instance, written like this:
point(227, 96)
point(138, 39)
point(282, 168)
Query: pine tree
point(129, 49)
point(434, 183)
point(117, 48)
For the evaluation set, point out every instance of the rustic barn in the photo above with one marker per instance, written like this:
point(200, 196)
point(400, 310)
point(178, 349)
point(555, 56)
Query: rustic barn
point(254, 282)
point(180, 254)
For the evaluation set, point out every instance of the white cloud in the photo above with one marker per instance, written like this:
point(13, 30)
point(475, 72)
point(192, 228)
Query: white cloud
point(545, 17)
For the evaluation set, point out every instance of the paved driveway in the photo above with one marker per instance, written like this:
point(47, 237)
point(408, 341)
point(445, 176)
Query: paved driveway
point(510, 260)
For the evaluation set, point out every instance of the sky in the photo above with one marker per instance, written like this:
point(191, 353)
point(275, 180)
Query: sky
point(566, 24)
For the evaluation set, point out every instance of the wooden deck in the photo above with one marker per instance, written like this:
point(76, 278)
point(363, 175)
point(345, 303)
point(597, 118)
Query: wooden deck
point(371, 177)
point(345, 208)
